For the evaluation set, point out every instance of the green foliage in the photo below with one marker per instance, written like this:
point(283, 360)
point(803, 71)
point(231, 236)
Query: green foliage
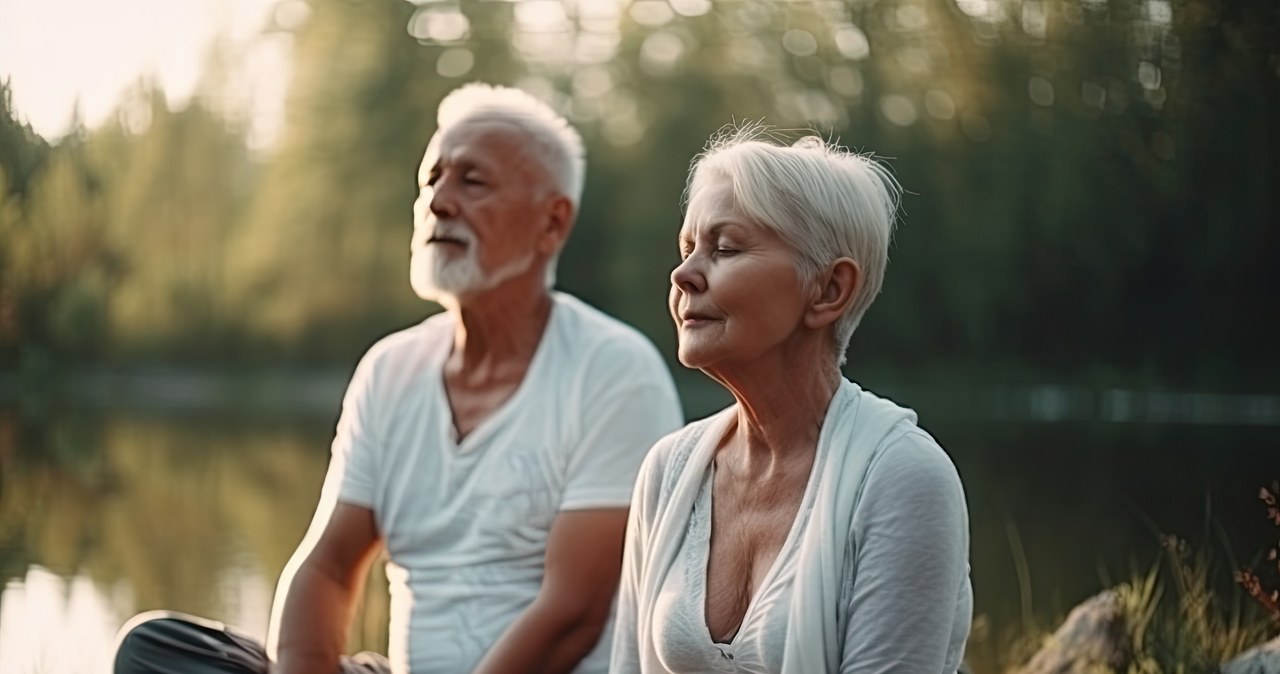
point(324, 247)
point(21, 150)
point(1089, 183)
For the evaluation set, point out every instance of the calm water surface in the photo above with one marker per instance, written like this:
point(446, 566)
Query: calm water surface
point(103, 515)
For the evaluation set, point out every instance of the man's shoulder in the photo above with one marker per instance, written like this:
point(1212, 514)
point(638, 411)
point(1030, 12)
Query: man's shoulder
point(408, 348)
point(412, 338)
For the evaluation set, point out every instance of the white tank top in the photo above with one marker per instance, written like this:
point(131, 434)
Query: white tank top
point(681, 639)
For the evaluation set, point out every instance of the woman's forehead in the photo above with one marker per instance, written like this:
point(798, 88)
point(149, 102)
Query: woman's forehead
point(713, 200)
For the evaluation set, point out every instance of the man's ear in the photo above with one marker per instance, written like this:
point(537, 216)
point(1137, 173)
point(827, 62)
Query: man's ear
point(556, 225)
point(839, 285)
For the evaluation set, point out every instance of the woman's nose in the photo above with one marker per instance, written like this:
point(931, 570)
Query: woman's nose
point(688, 277)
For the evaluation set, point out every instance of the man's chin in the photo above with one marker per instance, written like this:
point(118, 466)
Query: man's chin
point(434, 291)
point(431, 282)
point(430, 293)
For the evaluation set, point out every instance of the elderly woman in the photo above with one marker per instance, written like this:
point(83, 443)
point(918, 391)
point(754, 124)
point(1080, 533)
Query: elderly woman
point(812, 526)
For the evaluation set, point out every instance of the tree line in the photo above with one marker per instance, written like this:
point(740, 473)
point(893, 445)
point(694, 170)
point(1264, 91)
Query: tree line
point(1091, 183)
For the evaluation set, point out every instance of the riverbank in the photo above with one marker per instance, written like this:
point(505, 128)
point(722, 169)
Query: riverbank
point(317, 392)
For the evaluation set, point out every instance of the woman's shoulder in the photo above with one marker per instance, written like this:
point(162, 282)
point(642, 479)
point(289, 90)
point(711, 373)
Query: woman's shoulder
point(910, 447)
point(672, 450)
point(911, 468)
point(901, 445)
point(669, 456)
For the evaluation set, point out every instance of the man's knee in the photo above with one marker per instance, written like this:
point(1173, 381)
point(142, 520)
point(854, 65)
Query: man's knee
point(159, 642)
point(140, 641)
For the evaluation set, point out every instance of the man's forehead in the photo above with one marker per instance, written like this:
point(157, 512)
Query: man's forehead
point(480, 135)
point(482, 140)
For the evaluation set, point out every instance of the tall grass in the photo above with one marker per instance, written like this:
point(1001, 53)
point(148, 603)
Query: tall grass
point(1181, 616)
point(1178, 624)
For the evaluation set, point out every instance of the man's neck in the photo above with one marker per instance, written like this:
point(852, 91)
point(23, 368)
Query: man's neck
point(499, 328)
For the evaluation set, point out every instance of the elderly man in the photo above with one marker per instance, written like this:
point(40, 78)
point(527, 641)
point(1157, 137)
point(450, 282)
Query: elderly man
point(490, 450)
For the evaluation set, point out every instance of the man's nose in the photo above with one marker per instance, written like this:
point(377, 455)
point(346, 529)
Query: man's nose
point(442, 202)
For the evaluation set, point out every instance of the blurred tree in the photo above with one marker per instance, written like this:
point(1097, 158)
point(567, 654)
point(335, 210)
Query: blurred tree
point(58, 258)
point(21, 149)
point(323, 257)
point(122, 248)
point(21, 153)
point(1088, 183)
point(175, 196)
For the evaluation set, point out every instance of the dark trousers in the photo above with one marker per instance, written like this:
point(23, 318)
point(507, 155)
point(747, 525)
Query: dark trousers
point(164, 642)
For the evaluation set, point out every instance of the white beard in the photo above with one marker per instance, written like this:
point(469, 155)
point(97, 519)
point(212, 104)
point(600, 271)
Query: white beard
point(436, 277)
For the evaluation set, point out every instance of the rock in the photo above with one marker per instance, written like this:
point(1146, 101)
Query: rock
point(1094, 636)
point(1264, 659)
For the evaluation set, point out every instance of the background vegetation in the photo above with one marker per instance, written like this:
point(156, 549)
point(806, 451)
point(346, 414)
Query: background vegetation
point(1090, 239)
point(1091, 181)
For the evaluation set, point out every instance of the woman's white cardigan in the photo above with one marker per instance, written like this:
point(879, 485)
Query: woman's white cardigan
point(882, 583)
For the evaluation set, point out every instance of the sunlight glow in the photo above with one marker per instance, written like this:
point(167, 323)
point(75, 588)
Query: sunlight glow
point(542, 16)
point(455, 62)
point(651, 12)
point(852, 42)
point(799, 42)
point(1160, 11)
point(939, 104)
point(691, 7)
point(898, 109)
point(845, 81)
point(660, 52)
point(42, 613)
point(439, 25)
point(57, 53)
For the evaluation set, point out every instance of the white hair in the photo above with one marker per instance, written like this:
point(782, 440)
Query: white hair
point(555, 142)
point(825, 201)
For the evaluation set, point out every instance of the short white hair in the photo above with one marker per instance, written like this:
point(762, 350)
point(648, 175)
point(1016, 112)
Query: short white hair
point(556, 143)
point(825, 201)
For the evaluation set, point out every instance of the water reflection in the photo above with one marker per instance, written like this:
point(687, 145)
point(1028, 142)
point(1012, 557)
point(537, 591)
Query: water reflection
point(42, 613)
point(103, 517)
point(108, 514)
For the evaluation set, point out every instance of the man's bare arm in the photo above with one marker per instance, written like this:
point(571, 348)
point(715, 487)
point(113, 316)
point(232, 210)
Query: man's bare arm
point(320, 587)
point(561, 626)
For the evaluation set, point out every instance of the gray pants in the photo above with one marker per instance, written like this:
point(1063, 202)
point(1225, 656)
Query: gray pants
point(164, 642)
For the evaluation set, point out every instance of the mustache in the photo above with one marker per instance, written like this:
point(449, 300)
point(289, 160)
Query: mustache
point(454, 230)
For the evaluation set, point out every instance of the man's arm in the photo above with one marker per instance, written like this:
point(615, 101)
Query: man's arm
point(318, 590)
point(561, 626)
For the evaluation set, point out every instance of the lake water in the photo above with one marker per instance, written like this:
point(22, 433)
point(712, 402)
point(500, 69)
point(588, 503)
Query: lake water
point(107, 512)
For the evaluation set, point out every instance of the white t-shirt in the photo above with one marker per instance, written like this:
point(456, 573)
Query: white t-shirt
point(466, 525)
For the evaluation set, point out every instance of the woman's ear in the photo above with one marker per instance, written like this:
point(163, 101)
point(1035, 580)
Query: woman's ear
point(839, 285)
point(556, 225)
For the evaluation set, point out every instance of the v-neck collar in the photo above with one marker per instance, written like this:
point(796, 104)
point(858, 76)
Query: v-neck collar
point(704, 546)
point(487, 425)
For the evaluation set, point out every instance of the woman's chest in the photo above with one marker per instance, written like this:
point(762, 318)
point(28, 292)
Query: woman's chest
point(686, 638)
point(750, 531)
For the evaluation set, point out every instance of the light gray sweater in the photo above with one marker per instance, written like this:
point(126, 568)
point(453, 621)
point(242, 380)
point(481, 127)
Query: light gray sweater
point(873, 578)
